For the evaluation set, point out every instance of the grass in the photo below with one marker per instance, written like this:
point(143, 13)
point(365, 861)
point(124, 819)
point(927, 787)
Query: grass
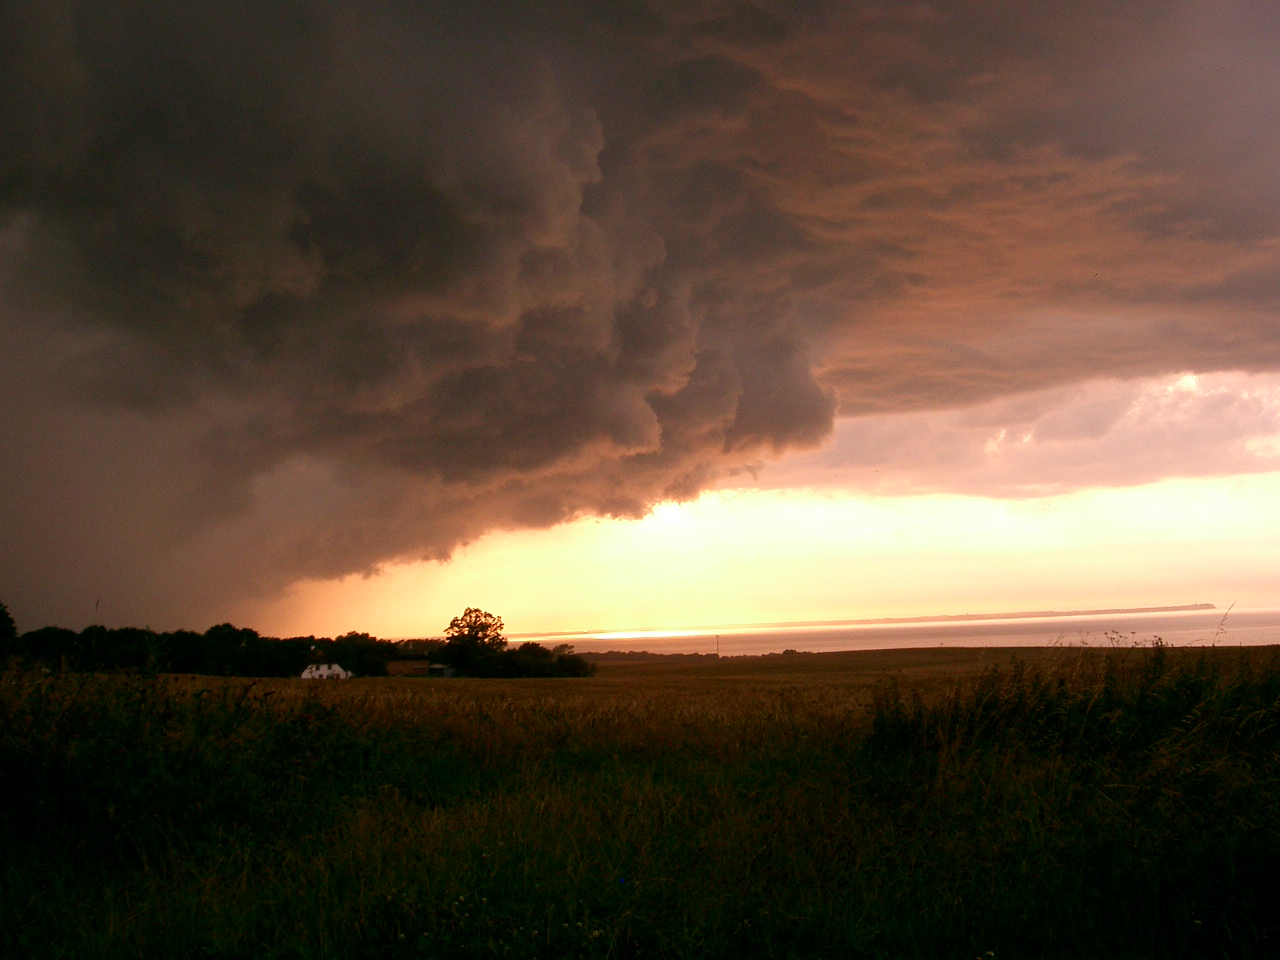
point(1069, 803)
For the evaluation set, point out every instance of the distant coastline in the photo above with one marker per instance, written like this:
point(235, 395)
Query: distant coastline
point(879, 621)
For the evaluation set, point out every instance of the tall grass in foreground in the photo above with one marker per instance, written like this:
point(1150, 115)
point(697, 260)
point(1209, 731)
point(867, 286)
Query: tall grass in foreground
point(1121, 803)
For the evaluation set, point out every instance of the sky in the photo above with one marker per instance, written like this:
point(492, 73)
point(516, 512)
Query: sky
point(320, 316)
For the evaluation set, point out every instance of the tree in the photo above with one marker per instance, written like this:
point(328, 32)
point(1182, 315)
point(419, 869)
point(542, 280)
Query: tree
point(477, 627)
point(362, 654)
point(8, 635)
point(9, 630)
point(476, 648)
point(475, 645)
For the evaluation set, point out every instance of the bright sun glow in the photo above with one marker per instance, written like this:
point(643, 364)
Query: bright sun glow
point(769, 556)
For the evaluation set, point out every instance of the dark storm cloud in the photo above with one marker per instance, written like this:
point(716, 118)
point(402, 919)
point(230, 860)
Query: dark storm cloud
point(291, 289)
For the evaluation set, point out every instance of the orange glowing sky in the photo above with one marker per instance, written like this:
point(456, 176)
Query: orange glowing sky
point(766, 557)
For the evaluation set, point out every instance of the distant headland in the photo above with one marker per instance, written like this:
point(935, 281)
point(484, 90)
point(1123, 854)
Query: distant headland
point(1019, 615)
point(876, 621)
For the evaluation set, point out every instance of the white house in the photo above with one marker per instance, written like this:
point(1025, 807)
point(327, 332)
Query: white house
point(326, 671)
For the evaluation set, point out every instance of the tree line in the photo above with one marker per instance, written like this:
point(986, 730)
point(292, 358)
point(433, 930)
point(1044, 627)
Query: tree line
point(473, 646)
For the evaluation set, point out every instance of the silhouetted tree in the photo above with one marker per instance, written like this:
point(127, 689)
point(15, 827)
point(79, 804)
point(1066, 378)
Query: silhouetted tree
point(479, 626)
point(362, 654)
point(185, 652)
point(51, 646)
point(8, 632)
point(124, 648)
point(477, 648)
point(475, 644)
point(570, 664)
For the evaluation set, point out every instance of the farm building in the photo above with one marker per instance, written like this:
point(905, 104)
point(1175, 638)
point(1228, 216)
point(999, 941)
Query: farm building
point(418, 668)
point(326, 671)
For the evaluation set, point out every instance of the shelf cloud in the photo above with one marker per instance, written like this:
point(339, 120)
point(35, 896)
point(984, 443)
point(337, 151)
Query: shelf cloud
point(295, 289)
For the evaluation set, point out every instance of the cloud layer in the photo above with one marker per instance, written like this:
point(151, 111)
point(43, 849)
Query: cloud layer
point(1106, 433)
point(291, 289)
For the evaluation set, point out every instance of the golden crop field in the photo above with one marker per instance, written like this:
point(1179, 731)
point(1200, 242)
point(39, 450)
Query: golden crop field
point(917, 803)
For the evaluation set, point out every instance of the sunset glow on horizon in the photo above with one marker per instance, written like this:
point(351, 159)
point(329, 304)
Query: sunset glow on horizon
point(752, 557)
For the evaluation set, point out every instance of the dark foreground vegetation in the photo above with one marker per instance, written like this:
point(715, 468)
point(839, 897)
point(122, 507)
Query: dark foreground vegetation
point(1113, 804)
point(473, 645)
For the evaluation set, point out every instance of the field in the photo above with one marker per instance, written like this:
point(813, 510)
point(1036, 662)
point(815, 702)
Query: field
point(921, 803)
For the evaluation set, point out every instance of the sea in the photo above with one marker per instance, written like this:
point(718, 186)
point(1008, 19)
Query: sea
point(1179, 627)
